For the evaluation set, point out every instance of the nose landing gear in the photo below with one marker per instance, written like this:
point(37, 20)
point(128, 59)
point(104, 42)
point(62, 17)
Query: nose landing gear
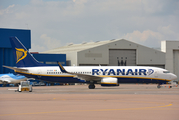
point(158, 86)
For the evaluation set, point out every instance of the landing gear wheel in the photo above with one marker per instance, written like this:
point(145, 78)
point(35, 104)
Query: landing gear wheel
point(158, 86)
point(91, 86)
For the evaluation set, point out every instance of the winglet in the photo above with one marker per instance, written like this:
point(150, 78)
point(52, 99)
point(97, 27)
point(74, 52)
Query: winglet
point(62, 68)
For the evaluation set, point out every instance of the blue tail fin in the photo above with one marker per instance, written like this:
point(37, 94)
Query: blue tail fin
point(22, 56)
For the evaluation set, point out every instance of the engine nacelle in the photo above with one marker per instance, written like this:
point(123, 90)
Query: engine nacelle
point(109, 82)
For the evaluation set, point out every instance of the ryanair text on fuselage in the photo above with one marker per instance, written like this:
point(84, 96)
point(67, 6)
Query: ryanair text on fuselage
point(122, 71)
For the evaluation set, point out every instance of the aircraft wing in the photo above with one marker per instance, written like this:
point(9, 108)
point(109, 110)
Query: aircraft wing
point(80, 76)
point(86, 77)
point(16, 69)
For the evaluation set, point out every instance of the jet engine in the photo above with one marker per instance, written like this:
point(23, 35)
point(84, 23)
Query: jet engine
point(109, 82)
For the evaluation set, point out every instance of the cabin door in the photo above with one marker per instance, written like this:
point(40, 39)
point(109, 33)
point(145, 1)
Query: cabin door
point(156, 74)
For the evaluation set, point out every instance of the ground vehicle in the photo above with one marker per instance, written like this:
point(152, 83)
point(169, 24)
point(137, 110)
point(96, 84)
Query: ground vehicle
point(25, 86)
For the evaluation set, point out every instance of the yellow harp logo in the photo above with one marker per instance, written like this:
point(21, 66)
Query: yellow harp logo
point(20, 54)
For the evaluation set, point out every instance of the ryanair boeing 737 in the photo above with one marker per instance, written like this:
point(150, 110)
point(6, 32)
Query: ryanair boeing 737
point(28, 66)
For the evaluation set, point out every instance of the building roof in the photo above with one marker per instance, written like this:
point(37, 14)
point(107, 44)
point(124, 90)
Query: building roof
point(79, 47)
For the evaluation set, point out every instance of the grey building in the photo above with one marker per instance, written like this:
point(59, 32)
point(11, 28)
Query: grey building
point(111, 53)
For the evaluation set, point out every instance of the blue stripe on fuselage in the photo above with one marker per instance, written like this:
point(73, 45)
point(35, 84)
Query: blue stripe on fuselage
point(71, 79)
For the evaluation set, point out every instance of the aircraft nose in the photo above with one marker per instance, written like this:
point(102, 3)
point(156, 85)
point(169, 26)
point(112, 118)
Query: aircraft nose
point(174, 77)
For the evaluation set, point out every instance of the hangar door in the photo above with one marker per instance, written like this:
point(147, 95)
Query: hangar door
point(176, 62)
point(122, 57)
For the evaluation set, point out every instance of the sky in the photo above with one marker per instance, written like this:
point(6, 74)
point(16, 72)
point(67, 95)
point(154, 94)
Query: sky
point(56, 23)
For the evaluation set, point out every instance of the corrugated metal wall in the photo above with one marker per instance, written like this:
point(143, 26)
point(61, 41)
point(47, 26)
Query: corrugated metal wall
point(6, 58)
point(51, 59)
point(122, 57)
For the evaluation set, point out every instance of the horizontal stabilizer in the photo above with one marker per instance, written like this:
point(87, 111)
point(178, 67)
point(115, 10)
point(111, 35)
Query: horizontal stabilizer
point(16, 69)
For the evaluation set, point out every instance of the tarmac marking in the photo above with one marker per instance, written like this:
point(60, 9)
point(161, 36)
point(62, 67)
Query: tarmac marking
point(86, 110)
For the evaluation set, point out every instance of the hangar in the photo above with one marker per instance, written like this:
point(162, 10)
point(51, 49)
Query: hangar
point(118, 52)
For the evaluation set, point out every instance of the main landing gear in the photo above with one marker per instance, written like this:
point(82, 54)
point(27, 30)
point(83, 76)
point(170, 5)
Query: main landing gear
point(91, 86)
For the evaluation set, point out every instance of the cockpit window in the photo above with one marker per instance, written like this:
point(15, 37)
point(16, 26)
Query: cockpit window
point(166, 71)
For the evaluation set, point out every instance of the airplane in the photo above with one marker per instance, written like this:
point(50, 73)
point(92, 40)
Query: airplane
point(11, 79)
point(28, 66)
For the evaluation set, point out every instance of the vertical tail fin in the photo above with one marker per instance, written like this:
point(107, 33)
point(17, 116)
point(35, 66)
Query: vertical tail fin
point(21, 54)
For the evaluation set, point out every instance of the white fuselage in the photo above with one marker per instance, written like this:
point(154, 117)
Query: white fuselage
point(120, 72)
